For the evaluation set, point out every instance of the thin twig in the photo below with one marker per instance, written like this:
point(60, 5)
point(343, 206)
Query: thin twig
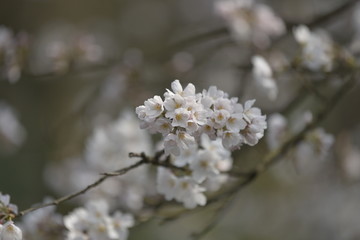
point(144, 160)
point(76, 194)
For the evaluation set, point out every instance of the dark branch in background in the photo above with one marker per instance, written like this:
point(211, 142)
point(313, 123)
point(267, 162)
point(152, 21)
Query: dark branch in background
point(192, 40)
point(330, 16)
point(221, 31)
point(73, 72)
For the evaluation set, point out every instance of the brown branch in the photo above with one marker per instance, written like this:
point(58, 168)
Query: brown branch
point(76, 194)
point(144, 160)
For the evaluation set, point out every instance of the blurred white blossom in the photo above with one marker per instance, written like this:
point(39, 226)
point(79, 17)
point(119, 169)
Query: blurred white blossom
point(42, 224)
point(316, 144)
point(9, 231)
point(250, 21)
point(11, 129)
point(263, 76)
point(94, 222)
point(108, 150)
point(12, 53)
point(317, 49)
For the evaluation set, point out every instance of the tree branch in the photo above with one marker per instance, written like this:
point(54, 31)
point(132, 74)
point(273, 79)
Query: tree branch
point(220, 31)
point(144, 160)
point(76, 194)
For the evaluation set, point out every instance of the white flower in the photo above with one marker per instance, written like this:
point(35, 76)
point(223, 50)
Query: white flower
point(231, 140)
point(173, 103)
point(302, 34)
point(250, 112)
point(10, 231)
point(141, 112)
point(153, 108)
point(163, 126)
point(223, 104)
point(189, 193)
point(77, 221)
point(223, 155)
point(255, 130)
point(185, 140)
point(171, 145)
point(263, 76)
point(250, 21)
point(277, 127)
point(220, 118)
point(166, 183)
point(121, 222)
point(211, 95)
point(235, 122)
point(94, 222)
point(204, 166)
point(191, 126)
point(209, 130)
point(187, 156)
point(5, 203)
point(317, 49)
point(189, 91)
point(181, 117)
point(10, 127)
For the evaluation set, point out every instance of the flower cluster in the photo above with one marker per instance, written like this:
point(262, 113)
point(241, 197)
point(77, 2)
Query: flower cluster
point(317, 49)
point(94, 222)
point(208, 166)
point(250, 21)
point(183, 116)
point(199, 130)
point(8, 230)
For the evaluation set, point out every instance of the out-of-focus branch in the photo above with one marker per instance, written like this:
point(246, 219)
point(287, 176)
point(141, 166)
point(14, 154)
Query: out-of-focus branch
point(143, 160)
point(72, 72)
point(221, 31)
point(89, 187)
point(190, 41)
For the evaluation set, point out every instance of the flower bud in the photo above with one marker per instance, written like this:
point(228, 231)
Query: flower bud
point(10, 232)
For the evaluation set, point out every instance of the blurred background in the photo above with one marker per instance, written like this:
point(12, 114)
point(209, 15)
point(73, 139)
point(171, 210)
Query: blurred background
point(80, 64)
